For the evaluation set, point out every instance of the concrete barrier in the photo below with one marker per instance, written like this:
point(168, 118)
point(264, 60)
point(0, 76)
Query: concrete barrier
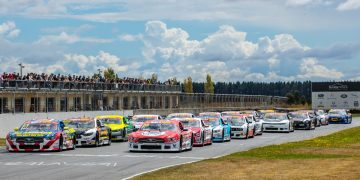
point(9, 121)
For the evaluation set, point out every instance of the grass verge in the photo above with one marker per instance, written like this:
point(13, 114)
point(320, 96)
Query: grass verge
point(2, 142)
point(333, 156)
point(356, 115)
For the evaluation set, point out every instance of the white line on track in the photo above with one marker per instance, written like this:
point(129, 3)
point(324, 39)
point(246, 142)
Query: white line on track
point(124, 156)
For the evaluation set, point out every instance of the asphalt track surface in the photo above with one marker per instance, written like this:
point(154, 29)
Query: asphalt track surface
point(116, 162)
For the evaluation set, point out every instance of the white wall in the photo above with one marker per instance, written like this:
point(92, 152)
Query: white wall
point(9, 121)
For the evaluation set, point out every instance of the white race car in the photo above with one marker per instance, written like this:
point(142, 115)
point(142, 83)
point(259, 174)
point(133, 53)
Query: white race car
point(258, 123)
point(277, 122)
point(241, 126)
point(138, 120)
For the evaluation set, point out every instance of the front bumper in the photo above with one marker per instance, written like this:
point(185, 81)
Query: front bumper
point(335, 120)
point(169, 147)
point(82, 140)
point(301, 124)
point(238, 134)
point(117, 135)
point(46, 145)
point(276, 127)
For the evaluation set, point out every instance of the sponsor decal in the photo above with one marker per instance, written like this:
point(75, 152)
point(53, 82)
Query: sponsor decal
point(344, 96)
point(31, 134)
point(321, 96)
point(151, 133)
point(338, 87)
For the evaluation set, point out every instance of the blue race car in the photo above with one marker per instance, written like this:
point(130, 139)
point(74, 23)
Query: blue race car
point(41, 135)
point(221, 130)
point(339, 116)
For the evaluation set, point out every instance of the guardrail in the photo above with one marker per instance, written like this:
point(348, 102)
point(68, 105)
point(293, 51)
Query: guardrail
point(84, 86)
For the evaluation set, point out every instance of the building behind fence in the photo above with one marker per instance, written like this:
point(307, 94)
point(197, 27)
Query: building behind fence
point(49, 96)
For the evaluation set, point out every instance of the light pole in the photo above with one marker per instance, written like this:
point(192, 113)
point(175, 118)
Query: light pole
point(21, 67)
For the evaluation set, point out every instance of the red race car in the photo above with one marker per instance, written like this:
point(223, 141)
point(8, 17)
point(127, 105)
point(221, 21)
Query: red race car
point(161, 135)
point(202, 133)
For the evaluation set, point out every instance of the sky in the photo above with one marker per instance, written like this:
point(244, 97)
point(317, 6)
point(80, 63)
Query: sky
point(232, 40)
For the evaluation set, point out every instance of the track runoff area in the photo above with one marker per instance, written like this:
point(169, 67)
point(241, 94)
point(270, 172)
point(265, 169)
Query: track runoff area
point(116, 162)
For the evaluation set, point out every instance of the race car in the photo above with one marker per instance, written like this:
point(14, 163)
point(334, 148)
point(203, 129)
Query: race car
point(179, 115)
point(221, 129)
point(138, 120)
point(302, 120)
point(322, 117)
point(277, 122)
point(202, 133)
point(339, 116)
point(41, 135)
point(240, 126)
point(89, 131)
point(258, 123)
point(163, 135)
point(119, 125)
point(210, 114)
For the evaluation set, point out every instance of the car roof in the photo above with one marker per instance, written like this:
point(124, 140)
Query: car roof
point(109, 116)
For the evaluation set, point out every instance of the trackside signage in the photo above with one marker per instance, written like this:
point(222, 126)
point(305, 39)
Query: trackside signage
point(335, 86)
point(329, 95)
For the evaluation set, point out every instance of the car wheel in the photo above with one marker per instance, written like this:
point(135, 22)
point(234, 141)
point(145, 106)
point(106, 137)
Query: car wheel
point(202, 139)
point(61, 144)
point(247, 133)
point(124, 136)
point(211, 139)
point(74, 143)
point(97, 141)
point(109, 142)
point(191, 143)
point(261, 130)
point(223, 135)
point(180, 144)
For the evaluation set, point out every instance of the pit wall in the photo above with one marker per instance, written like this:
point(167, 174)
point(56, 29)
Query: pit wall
point(9, 121)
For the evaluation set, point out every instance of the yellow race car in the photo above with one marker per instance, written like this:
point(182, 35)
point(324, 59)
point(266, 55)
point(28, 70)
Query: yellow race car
point(119, 125)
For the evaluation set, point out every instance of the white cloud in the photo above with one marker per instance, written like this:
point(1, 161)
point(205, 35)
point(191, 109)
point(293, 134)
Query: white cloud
point(349, 5)
point(129, 37)
point(64, 37)
point(259, 12)
point(8, 29)
point(310, 68)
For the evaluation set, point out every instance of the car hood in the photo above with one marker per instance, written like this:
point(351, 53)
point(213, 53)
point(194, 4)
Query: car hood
point(138, 124)
point(115, 126)
point(299, 119)
point(32, 133)
point(154, 134)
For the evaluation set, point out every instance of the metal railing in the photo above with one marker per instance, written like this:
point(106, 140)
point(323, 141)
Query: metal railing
point(85, 86)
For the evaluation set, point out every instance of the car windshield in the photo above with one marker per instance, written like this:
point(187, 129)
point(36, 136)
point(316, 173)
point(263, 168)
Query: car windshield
point(274, 117)
point(81, 124)
point(172, 116)
point(210, 115)
point(39, 127)
point(158, 127)
point(298, 115)
point(191, 123)
point(320, 113)
point(111, 120)
point(336, 112)
point(213, 122)
point(236, 121)
point(143, 118)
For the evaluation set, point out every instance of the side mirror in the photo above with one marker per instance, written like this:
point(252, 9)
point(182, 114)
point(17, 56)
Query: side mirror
point(16, 129)
point(66, 128)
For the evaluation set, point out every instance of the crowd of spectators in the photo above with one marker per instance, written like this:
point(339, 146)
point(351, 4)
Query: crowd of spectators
point(81, 79)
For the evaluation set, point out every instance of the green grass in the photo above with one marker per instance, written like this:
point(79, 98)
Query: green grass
point(2, 142)
point(284, 161)
point(355, 115)
point(313, 148)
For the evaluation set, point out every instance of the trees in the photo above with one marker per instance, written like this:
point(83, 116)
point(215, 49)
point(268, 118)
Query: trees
point(109, 73)
point(188, 85)
point(154, 78)
point(209, 85)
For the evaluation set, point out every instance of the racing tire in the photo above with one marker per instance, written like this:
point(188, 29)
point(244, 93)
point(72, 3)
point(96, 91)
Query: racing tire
point(61, 144)
point(289, 130)
point(202, 139)
point(253, 134)
point(97, 141)
point(223, 136)
point(247, 133)
point(309, 126)
point(109, 142)
point(191, 143)
point(74, 143)
point(180, 145)
point(211, 139)
point(124, 135)
point(260, 132)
